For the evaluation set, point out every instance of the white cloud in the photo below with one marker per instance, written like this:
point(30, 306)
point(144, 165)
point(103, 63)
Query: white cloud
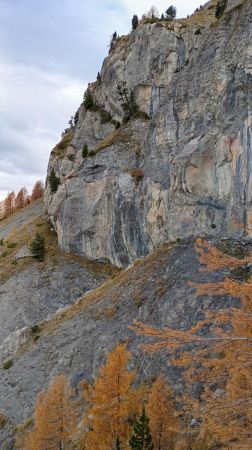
point(35, 106)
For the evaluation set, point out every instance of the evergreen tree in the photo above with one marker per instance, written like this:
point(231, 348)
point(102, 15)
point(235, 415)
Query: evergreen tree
point(99, 77)
point(85, 151)
point(37, 247)
point(54, 181)
point(88, 99)
point(135, 22)
point(171, 12)
point(114, 36)
point(141, 437)
point(162, 17)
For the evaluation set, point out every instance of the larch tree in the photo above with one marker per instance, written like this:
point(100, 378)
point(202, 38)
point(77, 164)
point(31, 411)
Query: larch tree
point(55, 418)
point(113, 401)
point(220, 359)
point(9, 204)
point(21, 198)
point(38, 190)
point(161, 411)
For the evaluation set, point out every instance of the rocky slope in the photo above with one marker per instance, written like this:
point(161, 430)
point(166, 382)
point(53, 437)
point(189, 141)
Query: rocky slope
point(76, 340)
point(181, 168)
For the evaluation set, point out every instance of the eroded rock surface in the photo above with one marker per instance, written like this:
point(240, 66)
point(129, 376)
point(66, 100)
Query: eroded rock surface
point(193, 78)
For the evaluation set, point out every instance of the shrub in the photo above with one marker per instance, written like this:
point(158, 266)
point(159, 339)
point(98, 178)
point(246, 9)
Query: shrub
point(1, 242)
point(92, 153)
point(71, 157)
point(54, 181)
point(14, 262)
point(37, 247)
point(35, 328)
point(220, 8)
point(12, 245)
point(85, 151)
point(4, 254)
point(127, 101)
point(8, 364)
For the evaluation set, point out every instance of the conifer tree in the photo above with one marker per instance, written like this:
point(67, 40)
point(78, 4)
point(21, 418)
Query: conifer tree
point(171, 13)
point(21, 198)
point(54, 181)
point(135, 22)
point(161, 412)
point(37, 247)
point(113, 400)
point(85, 151)
point(141, 437)
point(37, 191)
point(55, 418)
point(88, 99)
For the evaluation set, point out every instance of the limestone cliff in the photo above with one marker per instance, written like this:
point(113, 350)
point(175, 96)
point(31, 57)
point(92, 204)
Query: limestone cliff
point(180, 166)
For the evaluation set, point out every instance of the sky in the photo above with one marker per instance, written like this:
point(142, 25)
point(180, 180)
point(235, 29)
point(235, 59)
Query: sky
point(49, 51)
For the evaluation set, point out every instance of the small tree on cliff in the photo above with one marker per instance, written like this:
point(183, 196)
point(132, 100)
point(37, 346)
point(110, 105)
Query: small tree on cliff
point(54, 181)
point(135, 22)
point(171, 13)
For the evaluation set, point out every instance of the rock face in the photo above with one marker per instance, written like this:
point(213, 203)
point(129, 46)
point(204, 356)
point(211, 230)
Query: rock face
point(184, 170)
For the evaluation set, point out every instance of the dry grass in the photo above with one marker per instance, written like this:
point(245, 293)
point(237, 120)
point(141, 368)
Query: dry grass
point(66, 140)
point(122, 135)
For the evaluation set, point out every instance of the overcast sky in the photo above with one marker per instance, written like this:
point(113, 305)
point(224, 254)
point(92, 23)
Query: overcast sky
point(49, 51)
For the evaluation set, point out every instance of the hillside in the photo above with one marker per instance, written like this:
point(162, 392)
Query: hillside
point(147, 226)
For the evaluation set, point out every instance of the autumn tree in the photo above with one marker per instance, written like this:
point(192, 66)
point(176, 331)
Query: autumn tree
point(21, 198)
point(161, 411)
point(38, 190)
point(220, 359)
point(113, 401)
point(9, 204)
point(141, 436)
point(55, 418)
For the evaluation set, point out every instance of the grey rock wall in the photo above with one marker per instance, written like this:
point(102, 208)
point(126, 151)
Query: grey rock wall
point(194, 79)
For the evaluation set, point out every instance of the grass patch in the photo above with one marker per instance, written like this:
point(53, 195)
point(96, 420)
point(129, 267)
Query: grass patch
point(12, 245)
point(121, 135)
point(63, 144)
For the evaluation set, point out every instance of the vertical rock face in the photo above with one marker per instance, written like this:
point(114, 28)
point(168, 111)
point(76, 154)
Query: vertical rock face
point(180, 167)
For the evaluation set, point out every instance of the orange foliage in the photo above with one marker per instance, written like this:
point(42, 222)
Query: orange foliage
point(221, 358)
point(161, 412)
point(37, 191)
point(55, 418)
point(113, 401)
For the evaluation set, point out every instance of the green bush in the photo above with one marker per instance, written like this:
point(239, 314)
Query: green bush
point(4, 254)
point(54, 181)
point(71, 157)
point(35, 329)
point(12, 245)
point(1, 242)
point(37, 247)
point(92, 153)
point(8, 364)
